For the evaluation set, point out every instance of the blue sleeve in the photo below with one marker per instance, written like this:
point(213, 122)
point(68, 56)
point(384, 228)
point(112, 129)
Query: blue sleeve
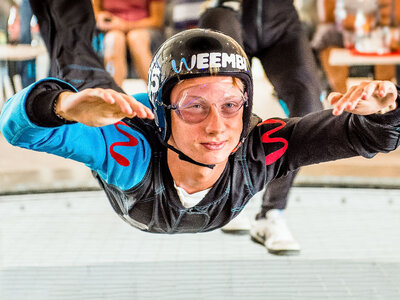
point(142, 98)
point(118, 153)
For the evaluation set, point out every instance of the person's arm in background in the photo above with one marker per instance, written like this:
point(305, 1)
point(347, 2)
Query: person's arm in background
point(102, 17)
point(106, 21)
point(397, 12)
point(325, 9)
point(326, 14)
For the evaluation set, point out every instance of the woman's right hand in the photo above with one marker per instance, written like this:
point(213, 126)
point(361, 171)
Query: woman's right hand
point(107, 22)
point(103, 20)
point(99, 107)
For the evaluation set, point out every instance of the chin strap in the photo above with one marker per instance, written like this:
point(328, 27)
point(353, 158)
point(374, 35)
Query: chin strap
point(184, 157)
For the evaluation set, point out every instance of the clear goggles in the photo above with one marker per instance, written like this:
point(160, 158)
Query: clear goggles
point(194, 103)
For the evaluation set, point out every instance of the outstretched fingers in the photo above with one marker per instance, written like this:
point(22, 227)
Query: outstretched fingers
point(334, 97)
point(123, 104)
point(127, 104)
point(366, 98)
point(387, 88)
point(384, 91)
point(138, 108)
point(348, 101)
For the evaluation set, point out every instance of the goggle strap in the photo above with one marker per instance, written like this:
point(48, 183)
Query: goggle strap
point(165, 105)
point(184, 157)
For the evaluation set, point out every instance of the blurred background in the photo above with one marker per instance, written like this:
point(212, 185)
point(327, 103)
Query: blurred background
point(60, 239)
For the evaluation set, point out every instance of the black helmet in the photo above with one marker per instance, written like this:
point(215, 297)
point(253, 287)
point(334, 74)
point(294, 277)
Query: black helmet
point(196, 53)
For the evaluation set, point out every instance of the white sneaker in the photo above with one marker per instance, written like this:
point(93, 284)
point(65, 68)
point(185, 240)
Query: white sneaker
point(239, 225)
point(274, 234)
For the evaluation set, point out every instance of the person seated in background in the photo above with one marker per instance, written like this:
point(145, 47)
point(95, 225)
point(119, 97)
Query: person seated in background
point(132, 24)
point(340, 22)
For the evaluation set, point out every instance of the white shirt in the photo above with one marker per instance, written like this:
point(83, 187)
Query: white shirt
point(190, 200)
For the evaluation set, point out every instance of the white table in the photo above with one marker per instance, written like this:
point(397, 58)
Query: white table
point(345, 57)
point(15, 53)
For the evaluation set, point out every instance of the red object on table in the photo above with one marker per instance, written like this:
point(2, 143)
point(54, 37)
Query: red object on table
point(355, 52)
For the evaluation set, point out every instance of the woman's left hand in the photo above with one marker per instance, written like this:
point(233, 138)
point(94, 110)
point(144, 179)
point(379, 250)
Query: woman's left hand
point(367, 98)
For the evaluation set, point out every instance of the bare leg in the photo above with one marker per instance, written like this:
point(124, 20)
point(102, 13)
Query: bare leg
point(115, 55)
point(139, 42)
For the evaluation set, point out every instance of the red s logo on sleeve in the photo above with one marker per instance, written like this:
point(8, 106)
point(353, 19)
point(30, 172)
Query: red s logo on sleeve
point(266, 139)
point(123, 161)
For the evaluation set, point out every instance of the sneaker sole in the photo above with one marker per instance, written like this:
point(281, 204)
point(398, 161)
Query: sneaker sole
point(261, 241)
point(284, 252)
point(235, 232)
point(257, 239)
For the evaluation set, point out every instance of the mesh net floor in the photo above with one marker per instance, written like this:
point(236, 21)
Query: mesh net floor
point(73, 246)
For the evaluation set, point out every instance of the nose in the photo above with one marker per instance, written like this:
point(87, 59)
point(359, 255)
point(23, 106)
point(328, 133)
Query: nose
point(215, 123)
